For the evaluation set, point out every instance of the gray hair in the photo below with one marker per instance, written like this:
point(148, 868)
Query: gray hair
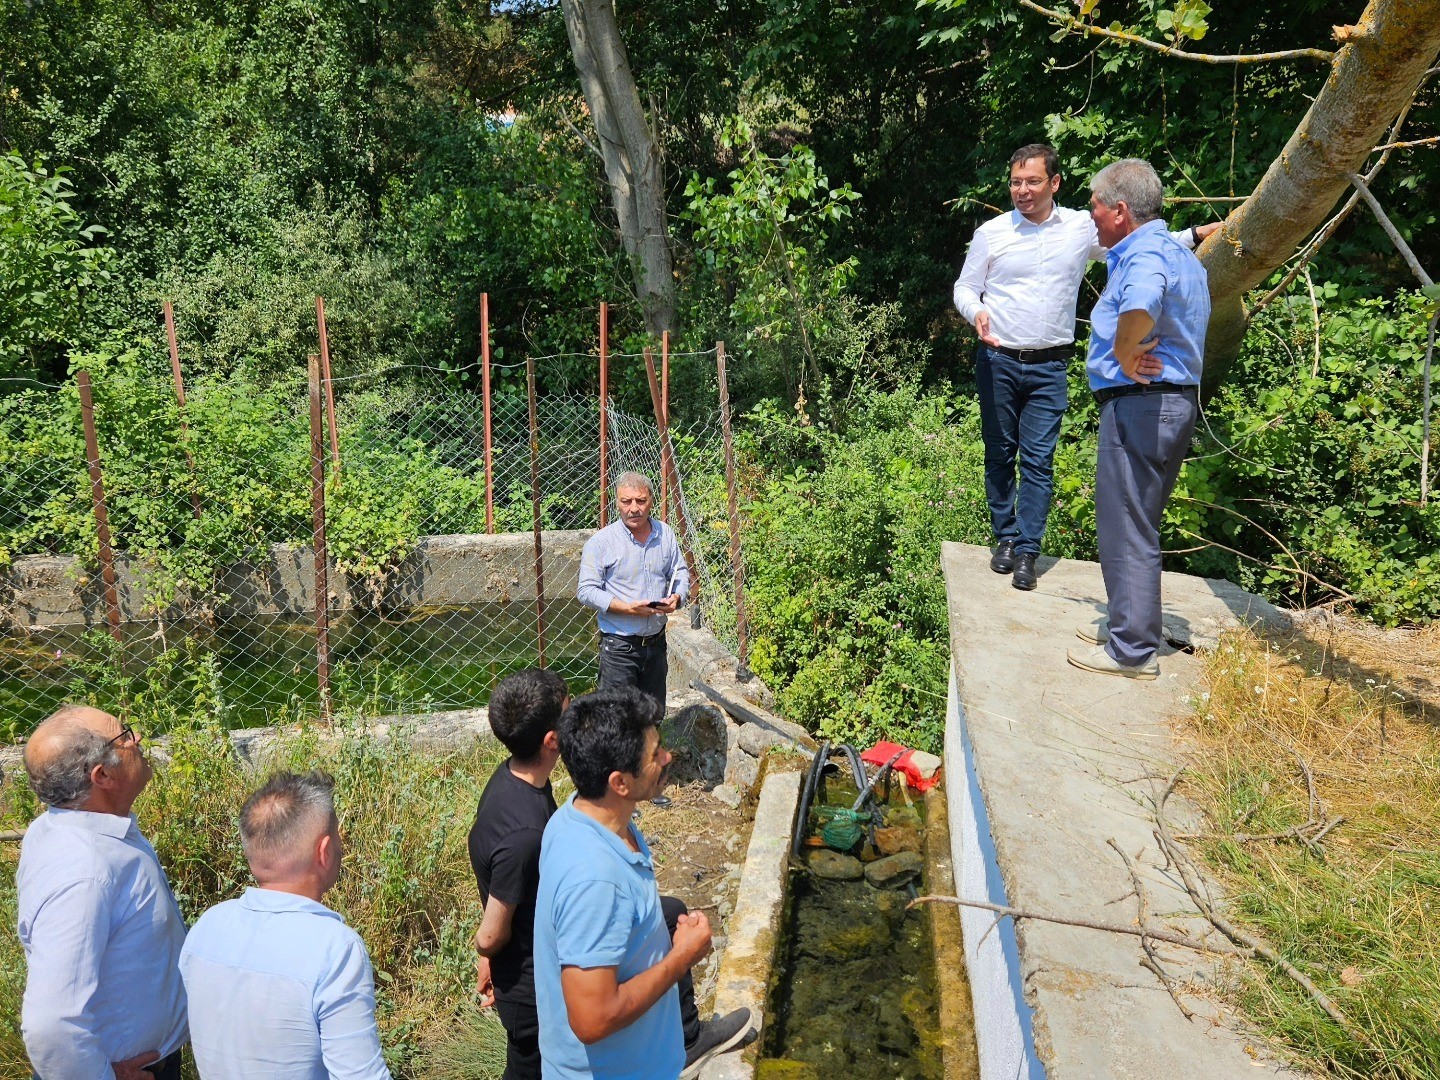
point(633, 480)
point(1133, 182)
point(287, 812)
point(64, 780)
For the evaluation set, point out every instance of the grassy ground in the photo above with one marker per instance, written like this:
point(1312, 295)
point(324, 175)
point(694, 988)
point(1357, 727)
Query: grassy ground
point(1317, 765)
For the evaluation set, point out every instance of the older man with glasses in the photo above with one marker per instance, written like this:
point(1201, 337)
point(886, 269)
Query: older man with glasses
point(100, 928)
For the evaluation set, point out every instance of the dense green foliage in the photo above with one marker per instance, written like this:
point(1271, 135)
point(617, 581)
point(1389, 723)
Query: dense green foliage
point(827, 163)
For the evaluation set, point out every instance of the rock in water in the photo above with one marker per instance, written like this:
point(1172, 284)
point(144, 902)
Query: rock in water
point(833, 866)
point(895, 871)
point(892, 841)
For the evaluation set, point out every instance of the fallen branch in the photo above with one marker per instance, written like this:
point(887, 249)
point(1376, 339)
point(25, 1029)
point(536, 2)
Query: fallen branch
point(12, 835)
point(1150, 961)
point(1167, 936)
point(1180, 859)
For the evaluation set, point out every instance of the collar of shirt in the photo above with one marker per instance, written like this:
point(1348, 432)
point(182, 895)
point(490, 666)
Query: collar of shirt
point(1117, 253)
point(257, 898)
point(640, 859)
point(112, 825)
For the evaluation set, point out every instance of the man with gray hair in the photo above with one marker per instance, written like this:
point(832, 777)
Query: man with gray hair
point(278, 984)
point(98, 923)
point(1147, 344)
point(633, 574)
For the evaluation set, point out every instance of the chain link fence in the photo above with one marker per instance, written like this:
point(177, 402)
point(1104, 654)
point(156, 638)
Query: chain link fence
point(206, 593)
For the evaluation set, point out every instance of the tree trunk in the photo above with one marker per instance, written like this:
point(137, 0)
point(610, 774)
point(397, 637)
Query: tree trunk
point(1374, 75)
point(628, 149)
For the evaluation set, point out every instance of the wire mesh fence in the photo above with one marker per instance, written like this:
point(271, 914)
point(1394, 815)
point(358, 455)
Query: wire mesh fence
point(451, 557)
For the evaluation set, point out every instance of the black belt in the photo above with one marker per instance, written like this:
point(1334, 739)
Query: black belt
point(1109, 393)
point(166, 1067)
point(638, 639)
point(1037, 356)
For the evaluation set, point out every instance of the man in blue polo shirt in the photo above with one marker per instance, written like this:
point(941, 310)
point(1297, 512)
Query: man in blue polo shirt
point(1147, 343)
point(606, 967)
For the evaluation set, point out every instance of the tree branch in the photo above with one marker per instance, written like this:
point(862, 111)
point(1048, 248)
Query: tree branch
point(1070, 22)
point(1431, 141)
point(1390, 231)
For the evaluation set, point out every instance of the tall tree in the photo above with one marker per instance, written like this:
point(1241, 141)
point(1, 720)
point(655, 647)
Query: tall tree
point(630, 151)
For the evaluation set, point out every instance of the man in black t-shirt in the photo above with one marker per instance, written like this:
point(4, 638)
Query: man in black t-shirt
point(505, 854)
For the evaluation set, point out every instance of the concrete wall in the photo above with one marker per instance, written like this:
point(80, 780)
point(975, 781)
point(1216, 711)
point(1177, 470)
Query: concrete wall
point(1004, 1032)
point(57, 590)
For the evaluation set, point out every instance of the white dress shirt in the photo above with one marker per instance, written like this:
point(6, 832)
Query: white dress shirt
point(280, 987)
point(102, 938)
point(1027, 275)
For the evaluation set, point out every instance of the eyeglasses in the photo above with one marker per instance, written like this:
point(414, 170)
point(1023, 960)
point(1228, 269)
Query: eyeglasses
point(1028, 184)
point(128, 733)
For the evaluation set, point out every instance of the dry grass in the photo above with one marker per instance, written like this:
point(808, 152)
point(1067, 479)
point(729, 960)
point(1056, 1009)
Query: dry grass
point(1317, 763)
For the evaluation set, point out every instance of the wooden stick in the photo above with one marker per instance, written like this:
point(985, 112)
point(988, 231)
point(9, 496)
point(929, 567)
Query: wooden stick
point(180, 399)
point(535, 512)
point(485, 394)
point(317, 533)
point(604, 414)
point(329, 384)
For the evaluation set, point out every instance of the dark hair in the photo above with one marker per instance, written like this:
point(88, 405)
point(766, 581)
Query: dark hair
point(1040, 150)
point(524, 708)
point(604, 732)
point(289, 809)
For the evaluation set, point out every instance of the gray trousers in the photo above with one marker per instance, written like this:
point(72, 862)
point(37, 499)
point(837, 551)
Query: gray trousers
point(1143, 439)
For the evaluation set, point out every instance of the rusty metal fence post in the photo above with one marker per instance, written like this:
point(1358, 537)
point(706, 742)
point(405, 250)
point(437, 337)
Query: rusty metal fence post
point(604, 413)
point(737, 565)
point(485, 394)
point(329, 384)
point(180, 400)
point(317, 523)
point(535, 511)
point(668, 470)
point(97, 499)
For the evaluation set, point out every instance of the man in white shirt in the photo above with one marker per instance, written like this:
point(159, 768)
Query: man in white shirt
point(278, 984)
point(99, 925)
point(1018, 288)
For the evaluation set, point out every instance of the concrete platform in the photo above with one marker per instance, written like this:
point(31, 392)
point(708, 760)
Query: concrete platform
point(1058, 761)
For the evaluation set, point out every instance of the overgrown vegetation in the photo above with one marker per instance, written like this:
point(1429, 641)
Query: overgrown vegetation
point(1290, 737)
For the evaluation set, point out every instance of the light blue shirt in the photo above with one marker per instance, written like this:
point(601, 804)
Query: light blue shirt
point(281, 988)
point(102, 939)
point(616, 565)
point(1151, 272)
point(599, 907)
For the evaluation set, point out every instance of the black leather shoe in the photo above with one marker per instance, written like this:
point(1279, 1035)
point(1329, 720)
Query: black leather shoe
point(1024, 571)
point(1003, 561)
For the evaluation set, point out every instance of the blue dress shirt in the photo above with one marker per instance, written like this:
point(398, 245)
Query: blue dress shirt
point(281, 988)
point(1151, 272)
point(615, 564)
point(599, 906)
point(102, 938)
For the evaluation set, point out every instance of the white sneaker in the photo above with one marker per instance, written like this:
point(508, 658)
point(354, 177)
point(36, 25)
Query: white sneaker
point(1097, 632)
point(1098, 660)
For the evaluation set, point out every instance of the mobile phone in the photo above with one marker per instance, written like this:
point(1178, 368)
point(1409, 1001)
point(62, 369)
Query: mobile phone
point(655, 603)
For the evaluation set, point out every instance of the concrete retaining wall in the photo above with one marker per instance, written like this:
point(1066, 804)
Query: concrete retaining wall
point(57, 590)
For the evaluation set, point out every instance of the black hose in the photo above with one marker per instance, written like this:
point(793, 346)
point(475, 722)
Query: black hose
point(869, 789)
point(812, 781)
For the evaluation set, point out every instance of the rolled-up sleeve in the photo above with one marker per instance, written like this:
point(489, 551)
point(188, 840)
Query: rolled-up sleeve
point(590, 590)
point(66, 939)
point(970, 285)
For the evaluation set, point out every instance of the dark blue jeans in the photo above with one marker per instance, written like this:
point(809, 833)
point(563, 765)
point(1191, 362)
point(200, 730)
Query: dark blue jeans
point(1020, 410)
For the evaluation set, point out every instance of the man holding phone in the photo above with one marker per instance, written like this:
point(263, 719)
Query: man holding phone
point(633, 574)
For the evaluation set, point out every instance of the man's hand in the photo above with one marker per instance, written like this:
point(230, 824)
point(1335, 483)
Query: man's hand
point(1145, 365)
point(134, 1068)
point(484, 983)
point(642, 607)
point(1202, 231)
point(691, 941)
point(982, 327)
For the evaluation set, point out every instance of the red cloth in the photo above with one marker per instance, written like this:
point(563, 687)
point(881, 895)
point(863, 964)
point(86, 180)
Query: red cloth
point(882, 752)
